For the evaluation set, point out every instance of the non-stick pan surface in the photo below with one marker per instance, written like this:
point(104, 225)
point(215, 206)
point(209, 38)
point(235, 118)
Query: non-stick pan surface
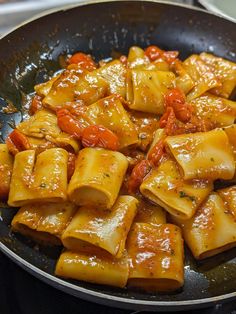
point(29, 55)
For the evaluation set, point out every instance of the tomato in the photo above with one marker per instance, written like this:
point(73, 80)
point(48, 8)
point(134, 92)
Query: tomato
point(17, 142)
point(139, 172)
point(36, 104)
point(83, 60)
point(123, 59)
point(153, 53)
point(99, 136)
point(156, 152)
point(67, 123)
point(176, 99)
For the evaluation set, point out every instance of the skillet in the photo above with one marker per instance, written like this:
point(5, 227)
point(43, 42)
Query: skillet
point(29, 55)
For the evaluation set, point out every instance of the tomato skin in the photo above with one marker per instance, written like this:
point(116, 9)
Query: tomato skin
point(68, 124)
point(70, 165)
point(17, 142)
point(153, 53)
point(176, 99)
point(156, 153)
point(36, 104)
point(99, 136)
point(123, 59)
point(83, 60)
point(168, 121)
point(139, 172)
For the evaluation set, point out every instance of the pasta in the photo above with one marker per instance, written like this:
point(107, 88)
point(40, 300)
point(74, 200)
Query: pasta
point(111, 113)
point(212, 230)
point(6, 166)
point(43, 179)
point(205, 155)
point(146, 89)
point(104, 269)
point(166, 187)
point(44, 222)
point(118, 164)
point(106, 230)
point(156, 254)
point(97, 178)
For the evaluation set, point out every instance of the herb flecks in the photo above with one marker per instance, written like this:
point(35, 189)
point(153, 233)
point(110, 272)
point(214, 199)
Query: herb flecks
point(183, 194)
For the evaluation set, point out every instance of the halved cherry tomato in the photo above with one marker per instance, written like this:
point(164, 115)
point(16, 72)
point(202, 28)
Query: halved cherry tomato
point(99, 136)
point(168, 121)
point(123, 59)
point(176, 99)
point(153, 53)
point(17, 142)
point(70, 165)
point(67, 123)
point(175, 96)
point(36, 104)
point(139, 172)
point(156, 152)
point(84, 61)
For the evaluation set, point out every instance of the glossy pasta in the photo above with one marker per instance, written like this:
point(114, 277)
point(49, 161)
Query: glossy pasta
point(44, 223)
point(118, 164)
point(97, 178)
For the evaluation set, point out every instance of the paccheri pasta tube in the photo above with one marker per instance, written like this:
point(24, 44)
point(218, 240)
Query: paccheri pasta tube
point(212, 229)
point(44, 223)
point(97, 178)
point(39, 179)
point(106, 230)
point(6, 166)
point(156, 257)
point(166, 187)
point(205, 155)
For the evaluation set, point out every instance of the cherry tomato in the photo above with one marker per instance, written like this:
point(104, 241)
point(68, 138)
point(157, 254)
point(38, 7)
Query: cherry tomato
point(67, 123)
point(174, 97)
point(123, 59)
point(36, 104)
point(84, 61)
point(153, 53)
point(99, 136)
point(17, 142)
point(139, 172)
point(156, 152)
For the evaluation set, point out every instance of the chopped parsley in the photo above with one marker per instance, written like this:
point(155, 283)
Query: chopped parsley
point(183, 194)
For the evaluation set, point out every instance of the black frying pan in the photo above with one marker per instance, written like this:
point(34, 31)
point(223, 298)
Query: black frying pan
point(29, 55)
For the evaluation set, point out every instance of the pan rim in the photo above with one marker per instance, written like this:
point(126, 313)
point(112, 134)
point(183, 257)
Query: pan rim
point(68, 287)
point(73, 289)
point(67, 7)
